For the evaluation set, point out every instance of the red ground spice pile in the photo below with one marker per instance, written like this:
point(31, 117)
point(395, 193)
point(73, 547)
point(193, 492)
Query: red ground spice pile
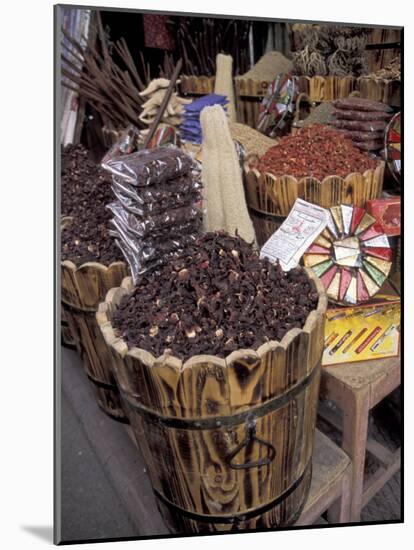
point(316, 151)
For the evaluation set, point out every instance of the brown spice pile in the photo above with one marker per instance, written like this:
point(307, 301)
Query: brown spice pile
point(316, 151)
point(85, 192)
point(321, 114)
point(254, 142)
point(269, 66)
point(219, 297)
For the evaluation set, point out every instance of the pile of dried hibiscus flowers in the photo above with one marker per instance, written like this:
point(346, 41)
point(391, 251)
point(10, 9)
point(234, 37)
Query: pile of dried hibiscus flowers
point(218, 297)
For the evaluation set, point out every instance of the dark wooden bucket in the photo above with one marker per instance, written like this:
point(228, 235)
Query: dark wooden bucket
point(67, 334)
point(228, 442)
point(67, 337)
point(82, 289)
point(264, 224)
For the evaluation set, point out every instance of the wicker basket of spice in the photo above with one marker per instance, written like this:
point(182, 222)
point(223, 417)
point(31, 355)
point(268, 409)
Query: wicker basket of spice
point(317, 164)
point(223, 413)
point(91, 265)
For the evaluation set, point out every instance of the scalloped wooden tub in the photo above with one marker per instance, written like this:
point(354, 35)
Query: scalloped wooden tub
point(227, 442)
point(326, 88)
point(270, 198)
point(67, 337)
point(82, 289)
point(249, 95)
point(196, 85)
point(380, 89)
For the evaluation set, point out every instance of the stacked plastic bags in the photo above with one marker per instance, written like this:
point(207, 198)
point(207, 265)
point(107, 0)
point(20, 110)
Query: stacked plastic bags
point(157, 211)
point(363, 121)
point(190, 129)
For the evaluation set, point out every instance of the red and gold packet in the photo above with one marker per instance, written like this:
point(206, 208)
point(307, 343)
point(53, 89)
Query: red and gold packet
point(368, 339)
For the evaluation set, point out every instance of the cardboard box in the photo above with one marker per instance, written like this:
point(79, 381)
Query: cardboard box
point(388, 214)
point(367, 331)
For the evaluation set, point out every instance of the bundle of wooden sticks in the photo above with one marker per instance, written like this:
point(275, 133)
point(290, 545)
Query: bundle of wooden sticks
point(112, 90)
point(199, 40)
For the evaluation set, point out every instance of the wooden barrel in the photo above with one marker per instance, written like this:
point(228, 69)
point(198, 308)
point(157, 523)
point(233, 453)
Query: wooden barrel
point(196, 86)
point(67, 337)
point(67, 334)
point(227, 442)
point(265, 217)
point(270, 198)
point(264, 224)
point(82, 289)
point(379, 89)
point(249, 95)
point(326, 88)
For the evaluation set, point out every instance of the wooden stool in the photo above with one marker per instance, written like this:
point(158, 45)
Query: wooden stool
point(356, 388)
point(331, 483)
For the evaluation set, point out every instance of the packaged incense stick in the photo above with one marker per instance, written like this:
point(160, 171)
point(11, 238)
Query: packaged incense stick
point(362, 332)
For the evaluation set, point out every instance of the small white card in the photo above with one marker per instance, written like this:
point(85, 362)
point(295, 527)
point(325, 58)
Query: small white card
point(341, 253)
point(347, 217)
point(331, 226)
point(378, 242)
point(302, 226)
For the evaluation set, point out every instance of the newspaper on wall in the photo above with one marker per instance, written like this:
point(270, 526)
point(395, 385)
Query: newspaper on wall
point(302, 226)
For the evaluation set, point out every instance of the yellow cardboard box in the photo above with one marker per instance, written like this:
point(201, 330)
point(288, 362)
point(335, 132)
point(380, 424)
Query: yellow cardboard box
point(367, 331)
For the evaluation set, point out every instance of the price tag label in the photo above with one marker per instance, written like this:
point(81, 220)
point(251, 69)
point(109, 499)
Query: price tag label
point(302, 226)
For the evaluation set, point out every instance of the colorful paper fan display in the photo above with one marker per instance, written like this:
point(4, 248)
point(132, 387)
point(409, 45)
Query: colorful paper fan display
point(352, 256)
point(277, 106)
point(393, 146)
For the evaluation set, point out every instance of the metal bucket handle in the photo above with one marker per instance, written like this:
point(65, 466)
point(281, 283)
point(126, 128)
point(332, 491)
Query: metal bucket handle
point(249, 438)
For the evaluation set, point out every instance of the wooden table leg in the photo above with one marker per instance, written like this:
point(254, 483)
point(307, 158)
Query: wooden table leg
point(340, 511)
point(354, 439)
